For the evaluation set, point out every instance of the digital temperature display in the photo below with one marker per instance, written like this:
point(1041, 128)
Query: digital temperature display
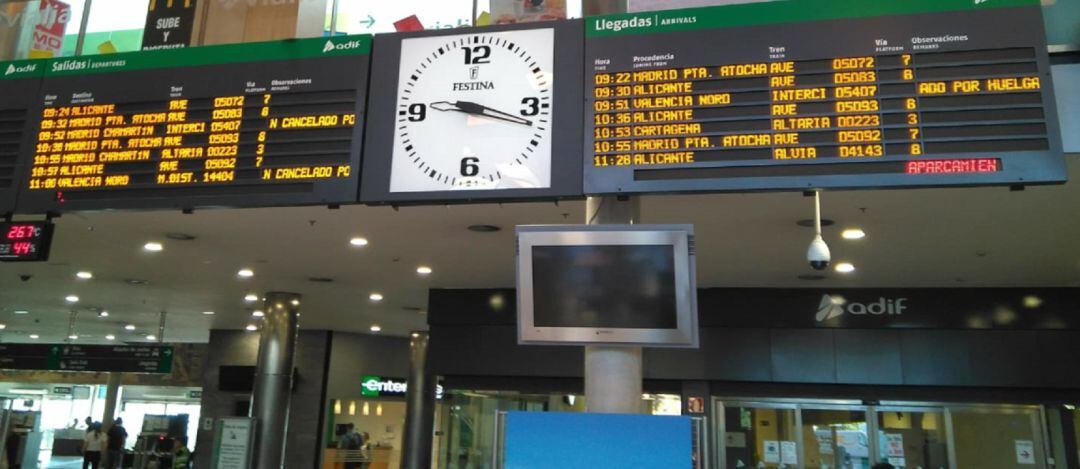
point(25, 241)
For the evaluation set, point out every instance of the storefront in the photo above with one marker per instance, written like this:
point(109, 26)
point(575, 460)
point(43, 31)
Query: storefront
point(801, 378)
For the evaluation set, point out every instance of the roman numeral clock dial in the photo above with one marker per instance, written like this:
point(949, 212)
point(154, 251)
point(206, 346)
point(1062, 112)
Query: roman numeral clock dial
point(474, 112)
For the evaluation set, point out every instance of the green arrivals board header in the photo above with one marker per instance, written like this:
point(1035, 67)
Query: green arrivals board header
point(751, 14)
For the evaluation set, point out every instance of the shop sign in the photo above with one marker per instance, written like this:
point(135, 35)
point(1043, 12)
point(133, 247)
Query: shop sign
point(378, 386)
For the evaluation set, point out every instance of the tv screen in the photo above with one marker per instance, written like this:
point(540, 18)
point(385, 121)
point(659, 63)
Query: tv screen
point(629, 286)
point(607, 284)
point(236, 378)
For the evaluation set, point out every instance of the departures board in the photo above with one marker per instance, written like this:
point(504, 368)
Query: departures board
point(260, 124)
point(19, 82)
point(820, 94)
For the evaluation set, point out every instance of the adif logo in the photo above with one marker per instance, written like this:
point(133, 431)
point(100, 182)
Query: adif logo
point(24, 69)
point(979, 2)
point(834, 306)
point(329, 46)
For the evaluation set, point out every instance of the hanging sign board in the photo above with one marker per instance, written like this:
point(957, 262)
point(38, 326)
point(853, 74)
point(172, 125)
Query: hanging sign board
point(792, 95)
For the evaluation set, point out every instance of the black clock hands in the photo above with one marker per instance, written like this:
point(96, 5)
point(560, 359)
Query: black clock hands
point(469, 107)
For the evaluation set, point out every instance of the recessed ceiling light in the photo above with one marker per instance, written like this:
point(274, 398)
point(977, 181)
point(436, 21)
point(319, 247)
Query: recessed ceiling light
point(103, 314)
point(376, 297)
point(71, 299)
point(73, 337)
point(258, 313)
point(295, 302)
point(358, 241)
point(35, 336)
point(3, 326)
point(208, 313)
point(129, 327)
point(845, 267)
point(484, 228)
point(853, 233)
point(246, 273)
point(376, 328)
point(251, 327)
point(84, 274)
point(423, 270)
point(153, 246)
point(110, 337)
point(21, 311)
point(151, 337)
point(251, 298)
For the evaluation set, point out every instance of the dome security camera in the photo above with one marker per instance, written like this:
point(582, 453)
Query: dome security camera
point(818, 254)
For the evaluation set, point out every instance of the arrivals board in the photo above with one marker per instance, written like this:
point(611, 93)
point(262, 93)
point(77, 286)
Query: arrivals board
point(19, 82)
point(820, 94)
point(260, 124)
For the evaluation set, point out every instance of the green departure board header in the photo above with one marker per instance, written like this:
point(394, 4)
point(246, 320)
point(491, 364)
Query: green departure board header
point(777, 12)
point(209, 55)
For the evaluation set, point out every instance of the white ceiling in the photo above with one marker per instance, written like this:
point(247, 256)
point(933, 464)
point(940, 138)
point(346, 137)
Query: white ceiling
point(930, 237)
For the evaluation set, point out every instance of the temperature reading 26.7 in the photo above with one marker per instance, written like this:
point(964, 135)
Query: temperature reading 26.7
point(25, 241)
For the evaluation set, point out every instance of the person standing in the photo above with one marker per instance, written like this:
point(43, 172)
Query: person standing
point(117, 439)
point(93, 445)
point(351, 442)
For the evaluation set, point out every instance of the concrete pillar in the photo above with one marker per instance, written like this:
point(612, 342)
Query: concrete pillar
point(112, 393)
point(613, 374)
point(273, 378)
point(420, 407)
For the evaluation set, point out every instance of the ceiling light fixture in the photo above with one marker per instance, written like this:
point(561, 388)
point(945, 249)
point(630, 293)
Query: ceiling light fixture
point(376, 297)
point(853, 233)
point(3, 326)
point(35, 336)
point(84, 274)
point(71, 299)
point(246, 273)
point(103, 314)
point(424, 270)
point(73, 337)
point(129, 327)
point(110, 337)
point(258, 314)
point(151, 337)
point(251, 327)
point(376, 328)
point(845, 267)
point(251, 298)
point(21, 311)
point(153, 246)
point(358, 242)
point(208, 313)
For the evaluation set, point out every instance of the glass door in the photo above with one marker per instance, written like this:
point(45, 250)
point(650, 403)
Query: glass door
point(998, 437)
point(912, 437)
point(758, 435)
point(835, 437)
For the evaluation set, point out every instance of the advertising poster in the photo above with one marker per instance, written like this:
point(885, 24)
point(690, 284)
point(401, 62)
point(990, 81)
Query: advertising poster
point(53, 16)
point(527, 11)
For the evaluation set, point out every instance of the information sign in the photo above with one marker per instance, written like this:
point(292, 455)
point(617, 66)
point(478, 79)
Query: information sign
point(820, 94)
point(259, 124)
point(66, 357)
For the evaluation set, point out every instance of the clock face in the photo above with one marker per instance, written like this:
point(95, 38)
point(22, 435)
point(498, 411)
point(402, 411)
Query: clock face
point(474, 112)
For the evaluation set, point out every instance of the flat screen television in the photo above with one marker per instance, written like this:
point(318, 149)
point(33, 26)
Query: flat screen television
point(607, 284)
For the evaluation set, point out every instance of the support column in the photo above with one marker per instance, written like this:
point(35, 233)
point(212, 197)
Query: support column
point(613, 374)
point(112, 392)
point(420, 406)
point(273, 378)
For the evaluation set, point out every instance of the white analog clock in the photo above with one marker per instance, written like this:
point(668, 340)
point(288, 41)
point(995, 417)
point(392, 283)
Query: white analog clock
point(474, 112)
